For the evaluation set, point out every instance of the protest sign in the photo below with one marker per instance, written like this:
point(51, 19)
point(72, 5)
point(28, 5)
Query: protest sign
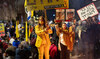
point(2, 30)
point(45, 4)
point(87, 11)
point(60, 14)
point(65, 14)
point(70, 14)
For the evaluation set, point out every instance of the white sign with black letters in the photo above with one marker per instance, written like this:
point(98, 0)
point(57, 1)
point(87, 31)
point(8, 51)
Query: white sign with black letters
point(87, 11)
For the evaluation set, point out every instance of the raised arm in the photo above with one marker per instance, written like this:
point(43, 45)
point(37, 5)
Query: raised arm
point(50, 31)
point(37, 31)
point(57, 29)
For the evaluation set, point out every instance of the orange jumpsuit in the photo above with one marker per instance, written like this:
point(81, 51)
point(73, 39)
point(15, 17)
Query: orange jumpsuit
point(42, 42)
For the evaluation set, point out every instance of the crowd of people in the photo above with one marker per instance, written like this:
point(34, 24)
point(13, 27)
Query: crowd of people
point(14, 50)
point(43, 41)
point(56, 42)
point(87, 33)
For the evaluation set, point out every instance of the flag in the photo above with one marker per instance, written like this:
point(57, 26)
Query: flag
point(29, 30)
point(32, 13)
point(29, 15)
point(26, 34)
point(17, 32)
point(25, 3)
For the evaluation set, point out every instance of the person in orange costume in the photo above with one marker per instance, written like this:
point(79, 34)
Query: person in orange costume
point(71, 37)
point(64, 41)
point(43, 42)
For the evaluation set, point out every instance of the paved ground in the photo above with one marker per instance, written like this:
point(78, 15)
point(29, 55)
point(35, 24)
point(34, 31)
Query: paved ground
point(82, 57)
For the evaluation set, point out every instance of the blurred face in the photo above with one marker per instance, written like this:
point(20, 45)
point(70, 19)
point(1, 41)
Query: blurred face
point(64, 26)
point(41, 21)
point(9, 45)
point(70, 15)
point(93, 18)
point(74, 21)
point(73, 26)
point(79, 23)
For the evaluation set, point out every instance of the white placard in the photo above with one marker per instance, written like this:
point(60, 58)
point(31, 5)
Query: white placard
point(87, 11)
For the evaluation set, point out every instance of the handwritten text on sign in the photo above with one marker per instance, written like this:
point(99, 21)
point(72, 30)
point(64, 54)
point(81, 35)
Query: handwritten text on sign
point(87, 11)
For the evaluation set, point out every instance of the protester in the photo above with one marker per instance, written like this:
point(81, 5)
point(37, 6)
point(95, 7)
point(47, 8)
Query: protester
point(16, 43)
point(5, 45)
point(55, 38)
point(89, 38)
point(12, 31)
point(7, 39)
point(34, 49)
point(43, 42)
point(64, 41)
point(10, 52)
point(1, 50)
point(54, 35)
point(80, 41)
point(23, 51)
point(71, 31)
point(11, 40)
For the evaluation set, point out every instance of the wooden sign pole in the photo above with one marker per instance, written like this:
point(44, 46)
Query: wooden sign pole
point(45, 15)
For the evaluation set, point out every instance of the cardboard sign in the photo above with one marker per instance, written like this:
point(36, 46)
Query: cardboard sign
point(2, 30)
point(65, 14)
point(60, 14)
point(45, 4)
point(70, 14)
point(87, 11)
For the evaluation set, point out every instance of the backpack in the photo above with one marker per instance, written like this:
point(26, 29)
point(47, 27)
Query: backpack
point(53, 51)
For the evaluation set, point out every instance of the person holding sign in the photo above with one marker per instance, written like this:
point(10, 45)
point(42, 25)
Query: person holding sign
point(64, 41)
point(43, 42)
